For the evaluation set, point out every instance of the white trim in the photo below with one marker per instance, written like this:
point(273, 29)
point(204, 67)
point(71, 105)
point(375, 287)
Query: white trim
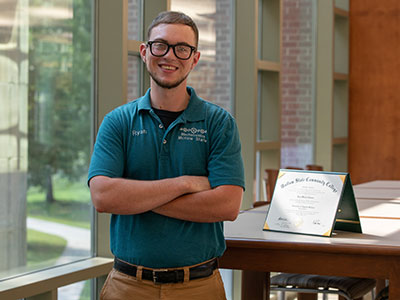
point(50, 279)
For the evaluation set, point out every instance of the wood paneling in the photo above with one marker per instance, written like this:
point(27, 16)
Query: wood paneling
point(374, 110)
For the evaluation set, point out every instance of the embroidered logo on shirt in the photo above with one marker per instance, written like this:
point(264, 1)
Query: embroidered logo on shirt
point(139, 132)
point(193, 134)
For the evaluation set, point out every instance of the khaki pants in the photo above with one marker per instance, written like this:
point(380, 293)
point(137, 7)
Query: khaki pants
point(119, 286)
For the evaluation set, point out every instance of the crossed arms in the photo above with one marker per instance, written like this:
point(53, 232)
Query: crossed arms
point(187, 198)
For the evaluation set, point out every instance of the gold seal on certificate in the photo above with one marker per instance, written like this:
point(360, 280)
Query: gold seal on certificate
point(310, 202)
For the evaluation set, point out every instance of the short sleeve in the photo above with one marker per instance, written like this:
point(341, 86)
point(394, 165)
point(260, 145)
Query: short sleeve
point(225, 165)
point(108, 155)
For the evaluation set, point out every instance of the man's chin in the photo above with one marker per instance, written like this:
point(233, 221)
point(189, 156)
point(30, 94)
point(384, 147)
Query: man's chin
point(168, 85)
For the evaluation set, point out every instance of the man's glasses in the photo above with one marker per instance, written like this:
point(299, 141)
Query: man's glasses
point(181, 51)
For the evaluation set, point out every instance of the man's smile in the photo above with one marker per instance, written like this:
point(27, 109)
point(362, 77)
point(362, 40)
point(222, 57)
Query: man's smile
point(168, 67)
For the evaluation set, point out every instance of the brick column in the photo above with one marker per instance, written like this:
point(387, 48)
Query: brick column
point(297, 83)
point(212, 76)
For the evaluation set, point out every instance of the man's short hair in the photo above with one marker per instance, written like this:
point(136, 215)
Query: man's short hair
point(174, 17)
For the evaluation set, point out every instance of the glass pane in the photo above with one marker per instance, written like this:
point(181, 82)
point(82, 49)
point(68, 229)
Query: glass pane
point(341, 53)
point(134, 20)
point(269, 30)
point(78, 291)
point(45, 129)
point(212, 76)
point(298, 81)
point(343, 4)
point(134, 65)
point(339, 160)
point(340, 109)
point(268, 106)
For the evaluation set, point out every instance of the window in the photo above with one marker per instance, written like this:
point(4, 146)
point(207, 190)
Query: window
point(212, 77)
point(135, 66)
point(45, 133)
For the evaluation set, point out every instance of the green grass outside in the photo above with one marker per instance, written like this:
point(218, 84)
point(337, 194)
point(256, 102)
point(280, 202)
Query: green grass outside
point(43, 247)
point(72, 206)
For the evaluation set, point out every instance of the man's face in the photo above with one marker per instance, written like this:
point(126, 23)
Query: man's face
point(169, 71)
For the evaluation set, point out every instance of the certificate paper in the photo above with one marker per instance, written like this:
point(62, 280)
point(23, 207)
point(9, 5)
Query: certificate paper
point(306, 202)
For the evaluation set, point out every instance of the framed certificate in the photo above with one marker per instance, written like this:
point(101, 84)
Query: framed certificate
point(310, 202)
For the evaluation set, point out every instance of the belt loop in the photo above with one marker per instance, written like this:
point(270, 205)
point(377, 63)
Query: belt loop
point(139, 271)
point(186, 273)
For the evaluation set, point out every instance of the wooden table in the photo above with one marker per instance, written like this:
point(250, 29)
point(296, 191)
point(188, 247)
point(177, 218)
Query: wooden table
point(380, 184)
point(373, 254)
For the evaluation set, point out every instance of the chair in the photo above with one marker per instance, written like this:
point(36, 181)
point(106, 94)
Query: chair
point(314, 168)
point(270, 176)
point(269, 180)
point(293, 168)
point(346, 287)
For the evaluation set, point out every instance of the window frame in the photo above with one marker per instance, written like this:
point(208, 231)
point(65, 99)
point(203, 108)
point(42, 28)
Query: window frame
point(111, 50)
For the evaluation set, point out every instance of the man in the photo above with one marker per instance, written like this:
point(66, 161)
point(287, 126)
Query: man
point(168, 168)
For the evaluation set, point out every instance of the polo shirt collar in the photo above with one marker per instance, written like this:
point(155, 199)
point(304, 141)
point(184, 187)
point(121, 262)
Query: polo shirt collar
point(195, 111)
point(144, 102)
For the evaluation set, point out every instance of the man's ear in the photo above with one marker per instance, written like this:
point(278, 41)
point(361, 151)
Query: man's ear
point(196, 57)
point(142, 51)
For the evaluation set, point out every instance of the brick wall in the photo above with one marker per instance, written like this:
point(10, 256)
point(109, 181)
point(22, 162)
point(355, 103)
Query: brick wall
point(212, 76)
point(297, 83)
point(134, 62)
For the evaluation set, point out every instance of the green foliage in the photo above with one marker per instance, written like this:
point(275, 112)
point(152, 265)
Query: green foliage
point(60, 81)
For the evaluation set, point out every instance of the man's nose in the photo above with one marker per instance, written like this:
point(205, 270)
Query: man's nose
point(170, 53)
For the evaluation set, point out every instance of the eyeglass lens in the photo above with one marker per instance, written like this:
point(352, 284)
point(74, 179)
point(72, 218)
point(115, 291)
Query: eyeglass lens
point(160, 49)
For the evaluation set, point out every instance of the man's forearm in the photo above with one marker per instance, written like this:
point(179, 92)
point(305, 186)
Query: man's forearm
point(219, 204)
point(125, 196)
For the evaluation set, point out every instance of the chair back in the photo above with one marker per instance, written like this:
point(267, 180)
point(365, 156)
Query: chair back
point(270, 176)
point(314, 168)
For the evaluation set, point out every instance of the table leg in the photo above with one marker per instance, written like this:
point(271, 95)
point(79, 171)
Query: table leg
point(380, 284)
point(255, 285)
point(394, 286)
point(307, 296)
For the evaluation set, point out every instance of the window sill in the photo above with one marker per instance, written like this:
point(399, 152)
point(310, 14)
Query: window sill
point(50, 279)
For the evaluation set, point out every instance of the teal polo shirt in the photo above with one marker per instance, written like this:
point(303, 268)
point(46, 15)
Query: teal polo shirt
point(133, 143)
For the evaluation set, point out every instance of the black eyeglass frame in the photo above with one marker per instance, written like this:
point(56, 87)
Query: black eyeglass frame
point(192, 49)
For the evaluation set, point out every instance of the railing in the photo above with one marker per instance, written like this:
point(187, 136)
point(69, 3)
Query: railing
point(43, 285)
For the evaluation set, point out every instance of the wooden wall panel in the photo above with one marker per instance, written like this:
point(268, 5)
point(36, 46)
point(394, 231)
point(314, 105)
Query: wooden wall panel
point(374, 109)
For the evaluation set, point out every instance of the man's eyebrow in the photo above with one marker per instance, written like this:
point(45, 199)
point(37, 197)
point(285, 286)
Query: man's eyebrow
point(160, 40)
point(164, 41)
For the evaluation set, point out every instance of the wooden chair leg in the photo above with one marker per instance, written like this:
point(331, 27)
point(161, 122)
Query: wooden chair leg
point(307, 296)
point(255, 285)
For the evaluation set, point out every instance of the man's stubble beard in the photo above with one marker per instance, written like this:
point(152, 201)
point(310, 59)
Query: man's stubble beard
point(165, 85)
